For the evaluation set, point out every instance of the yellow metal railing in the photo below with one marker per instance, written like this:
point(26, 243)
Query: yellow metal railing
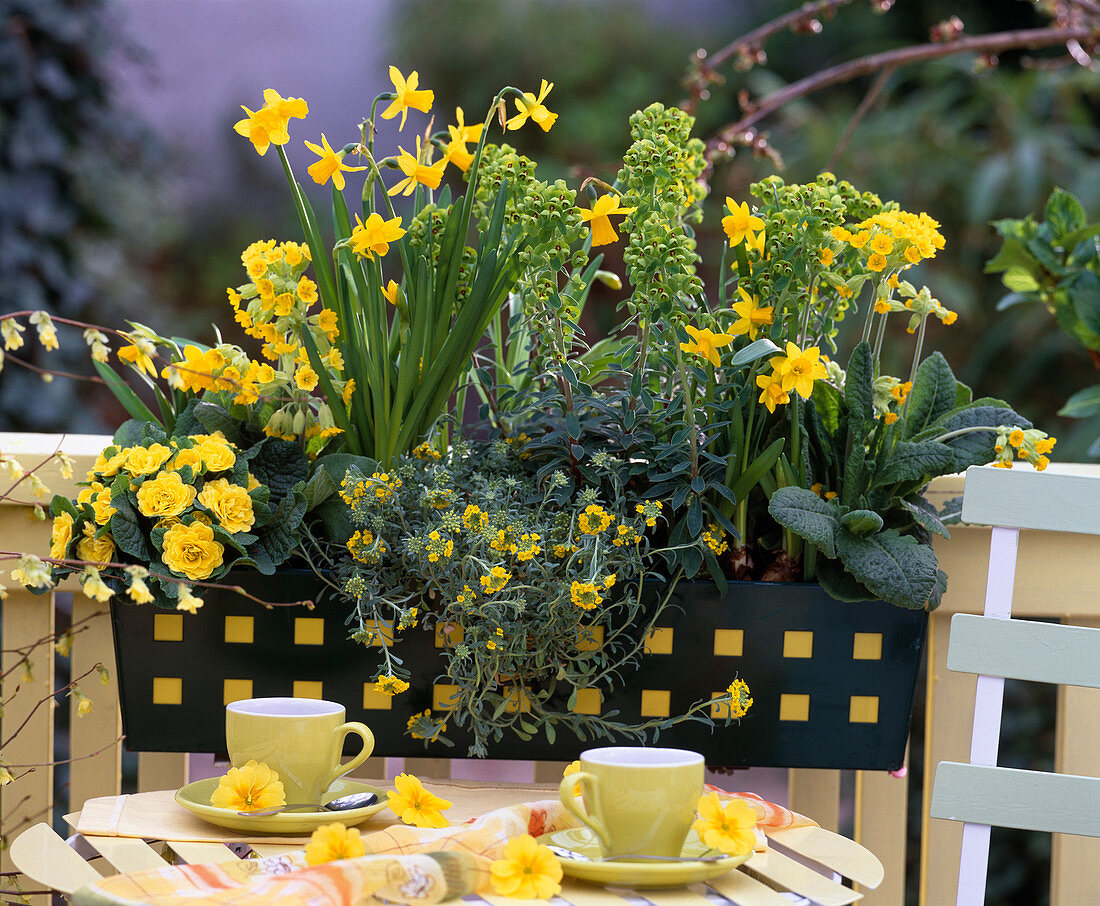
point(1057, 578)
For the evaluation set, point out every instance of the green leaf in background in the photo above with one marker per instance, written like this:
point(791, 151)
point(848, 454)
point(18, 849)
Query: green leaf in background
point(933, 394)
point(122, 392)
point(278, 541)
point(128, 433)
point(974, 448)
point(1083, 404)
point(807, 515)
point(1063, 213)
point(215, 418)
point(895, 568)
point(1084, 295)
point(840, 583)
point(319, 488)
point(925, 515)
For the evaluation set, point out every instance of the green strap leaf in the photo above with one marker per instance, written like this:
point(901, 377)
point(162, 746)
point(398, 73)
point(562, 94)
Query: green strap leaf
point(122, 392)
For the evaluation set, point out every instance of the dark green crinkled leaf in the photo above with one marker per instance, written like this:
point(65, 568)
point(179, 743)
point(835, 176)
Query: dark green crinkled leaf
point(215, 418)
point(807, 515)
point(925, 515)
point(858, 387)
point(912, 461)
point(279, 539)
point(861, 522)
point(933, 394)
point(278, 464)
point(840, 583)
point(319, 488)
point(127, 530)
point(853, 475)
point(129, 433)
point(975, 448)
point(186, 422)
point(893, 567)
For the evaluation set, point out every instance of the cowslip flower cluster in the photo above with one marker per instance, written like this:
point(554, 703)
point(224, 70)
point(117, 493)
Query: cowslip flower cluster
point(1029, 445)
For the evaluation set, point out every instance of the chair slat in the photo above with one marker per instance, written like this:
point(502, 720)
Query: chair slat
point(198, 853)
point(744, 890)
point(44, 857)
point(126, 854)
point(1026, 650)
point(1026, 499)
point(1007, 797)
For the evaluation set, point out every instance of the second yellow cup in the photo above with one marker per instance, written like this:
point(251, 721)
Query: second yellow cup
point(639, 800)
point(299, 738)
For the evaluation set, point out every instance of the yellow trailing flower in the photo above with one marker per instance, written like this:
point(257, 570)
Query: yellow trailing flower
point(418, 170)
point(598, 219)
point(594, 519)
point(415, 805)
point(728, 827)
point(532, 107)
point(249, 788)
point(409, 96)
point(706, 343)
point(751, 315)
point(529, 870)
point(740, 695)
point(495, 580)
point(330, 166)
point(334, 841)
point(585, 595)
point(390, 685)
point(93, 586)
point(741, 224)
point(374, 237)
point(187, 601)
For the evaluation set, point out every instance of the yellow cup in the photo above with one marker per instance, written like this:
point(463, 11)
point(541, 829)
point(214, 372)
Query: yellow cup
point(299, 738)
point(638, 800)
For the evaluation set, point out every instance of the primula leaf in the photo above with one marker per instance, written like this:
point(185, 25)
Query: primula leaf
point(932, 395)
point(853, 475)
point(858, 390)
point(186, 422)
point(925, 515)
point(128, 433)
point(911, 461)
point(278, 541)
point(807, 515)
point(127, 531)
point(319, 488)
point(895, 568)
point(1083, 404)
point(861, 522)
point(975, 448)
point(215, 418)
point(278, 464)
point(839, 583)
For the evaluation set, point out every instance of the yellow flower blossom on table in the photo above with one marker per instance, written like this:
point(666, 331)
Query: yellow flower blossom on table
point(532, 107)
point(798, 369)
point(249, 788)
point(374, 237)
point(728, 827)
point(598, 219)
point(573, 768)
point(528, 870)
point(740, 224)
point(330, 166)
point(418, 170)
point(191, 550)
point(409, 96)
point(751, 315)
point(334, 841)
point(706, 343)
point(415, 805)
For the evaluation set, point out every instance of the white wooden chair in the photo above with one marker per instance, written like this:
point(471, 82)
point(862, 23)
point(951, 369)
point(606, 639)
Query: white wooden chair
point(996, 647)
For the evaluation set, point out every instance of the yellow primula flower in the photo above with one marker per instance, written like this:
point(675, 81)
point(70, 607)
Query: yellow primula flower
point(598, 219)
point(417, 173)
point(706, 342)
point(191, 550)
point(165, 495)
point(334, 841)
point(531, 107)
point(374, 237)
point(728, 827)
point(740, 224)
point(751, 315)
point(61, 535)
point(196, 371)
point(330, 166)
point(91, 549)
point(230, 504)
point(305, 378)
point(415, 805)
point(409, 97)
point(529, 870)
point(249, 788)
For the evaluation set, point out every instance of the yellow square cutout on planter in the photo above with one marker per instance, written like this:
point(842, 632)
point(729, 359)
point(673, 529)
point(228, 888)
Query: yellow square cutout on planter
point(309, 631)
point(373, 700)
point(443, 695)
point(167, 690)
point(234, 690)
point(729, 642)
point(168, 627)
point(863, 709)
point(589, 638)
point(444, 639)
point(659, 641)
point(867, 646)
point(656, 702)
point(308, 689)
point(589, 701)
point(794, 706)
point(798, 643)
point(240, 630)
point(518, 701)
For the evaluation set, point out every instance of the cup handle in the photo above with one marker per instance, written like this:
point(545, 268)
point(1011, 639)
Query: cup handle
point(342, 731)
point(592, 821)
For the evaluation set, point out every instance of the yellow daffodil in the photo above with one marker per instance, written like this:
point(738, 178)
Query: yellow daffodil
point(249, 788)
point(374, 237)
point(751, 315)
point(409, 97)
point(263, 128)
point(285, 109)
point(138, 357)
point(390, 291)
point(416, 172)
point(772, 393)
point(334, 841)
point(706, 343)
point(528, 870)
point(728, 827)
point(196, 370)
point(598, 219)
point(531, 107)
point(330, 166)
point(799, 369)
point(415, 805)
point(455, 150)
point(740, 224)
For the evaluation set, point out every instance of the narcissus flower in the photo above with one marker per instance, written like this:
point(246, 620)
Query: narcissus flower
point(415, 805)
point(772, 393)
point(752, 316)
point(409, 97)
point(455, 150)
point(706, 343)
point(374, 237)
point(268, 125)
point(740, 224)
point(531, 107)
point(728, 827)
point(418, 170)
point(528, 870)
point(799, 369)
point(598, 219)
point(330, 166)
